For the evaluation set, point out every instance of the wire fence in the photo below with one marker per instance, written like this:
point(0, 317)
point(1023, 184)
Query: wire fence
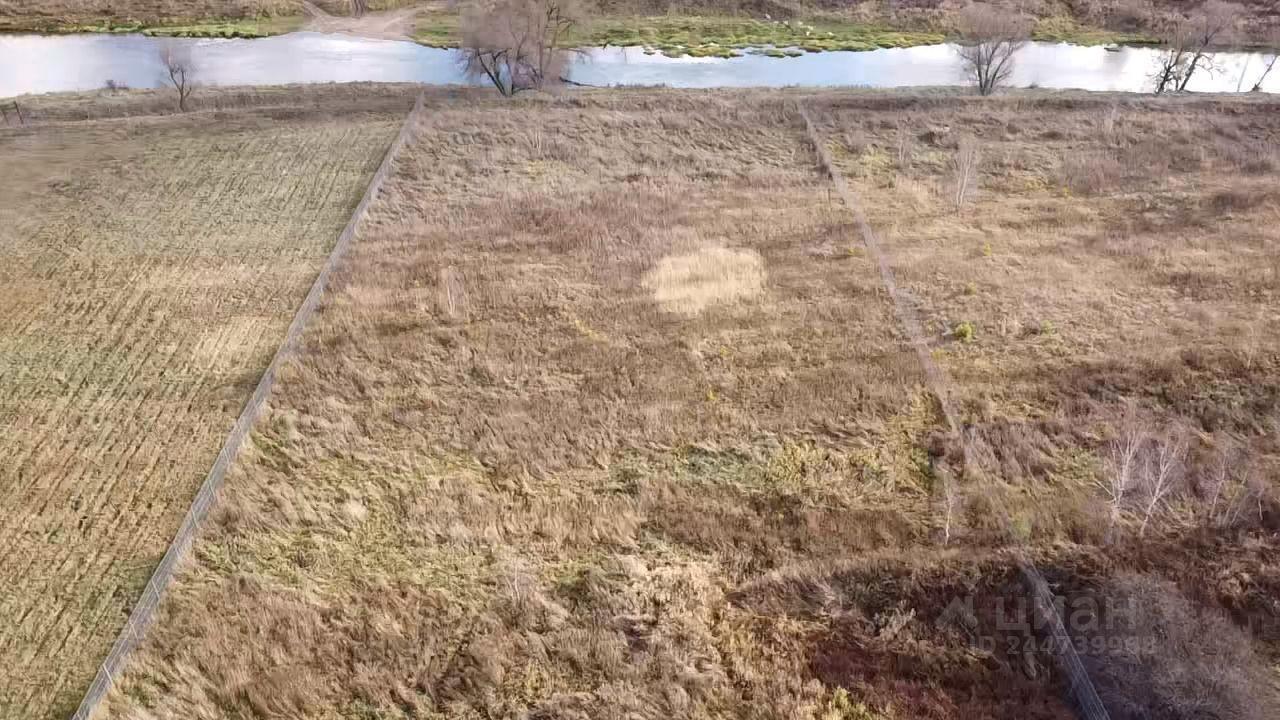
point(1088, 705)
point(144, 610)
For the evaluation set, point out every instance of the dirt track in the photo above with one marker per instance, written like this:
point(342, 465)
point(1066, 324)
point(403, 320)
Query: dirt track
point(390, 25)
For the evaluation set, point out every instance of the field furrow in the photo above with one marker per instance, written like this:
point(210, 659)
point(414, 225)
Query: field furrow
point(159, 263)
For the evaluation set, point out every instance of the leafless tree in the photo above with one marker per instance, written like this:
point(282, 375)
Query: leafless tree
point(1124, 473)
point(179, 70)
point(989, 38)
point(1189, 44)
point(1172, 64)
point(516, 44)
point(1163, 474)
point(952, 503)
point(966, 163)
point(1274, 42)
point(359, 8)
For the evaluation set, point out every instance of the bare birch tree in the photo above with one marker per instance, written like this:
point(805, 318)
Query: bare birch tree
point(1124, 474)
point(1163, 474)
point(180, 71)
point(989, 38)
point(516, 44)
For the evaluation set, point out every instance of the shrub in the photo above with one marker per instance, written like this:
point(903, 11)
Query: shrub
point(1161, 657)
point(1090, 174)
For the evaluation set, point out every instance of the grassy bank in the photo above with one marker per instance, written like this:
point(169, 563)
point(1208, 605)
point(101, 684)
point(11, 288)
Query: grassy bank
point(210, 28)
point(704, 36)
point(1068, 30)
point(725, 36)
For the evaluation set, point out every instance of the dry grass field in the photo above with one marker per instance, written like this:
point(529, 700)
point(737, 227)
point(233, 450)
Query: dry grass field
point(1112, 270)
point(608, 415)
point(150, 269)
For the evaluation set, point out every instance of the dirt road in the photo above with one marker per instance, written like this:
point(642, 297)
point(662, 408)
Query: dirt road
point(390, 25)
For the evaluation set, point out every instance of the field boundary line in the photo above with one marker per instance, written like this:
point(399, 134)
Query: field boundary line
point(1088, 704)
point(143, 613)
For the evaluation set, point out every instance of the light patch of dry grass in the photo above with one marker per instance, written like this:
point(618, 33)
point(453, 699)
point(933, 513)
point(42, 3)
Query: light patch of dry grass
point(692, 282)
point(150, 270)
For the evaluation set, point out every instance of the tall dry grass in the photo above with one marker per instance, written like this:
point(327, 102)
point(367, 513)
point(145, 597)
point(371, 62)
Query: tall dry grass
point(509, 476)
point(1102, 273)
point(504, 479)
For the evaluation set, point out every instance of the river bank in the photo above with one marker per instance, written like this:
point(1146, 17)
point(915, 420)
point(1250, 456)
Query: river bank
point(92, 61)
point(695, 32)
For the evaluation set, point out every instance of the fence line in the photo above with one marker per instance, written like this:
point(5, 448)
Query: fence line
point(144, 610)
point(14, 107)
point(1088, 705)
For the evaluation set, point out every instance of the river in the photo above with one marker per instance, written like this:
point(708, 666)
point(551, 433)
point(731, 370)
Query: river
point(55, 63)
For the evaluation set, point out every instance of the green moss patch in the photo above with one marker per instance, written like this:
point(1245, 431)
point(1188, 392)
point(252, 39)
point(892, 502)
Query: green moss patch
point(723, 37)
point(696, 36)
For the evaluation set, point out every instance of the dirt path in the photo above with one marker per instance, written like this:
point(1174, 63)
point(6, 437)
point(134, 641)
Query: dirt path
point(390, 25)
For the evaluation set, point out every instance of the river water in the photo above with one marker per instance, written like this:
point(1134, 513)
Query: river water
point(42, 63)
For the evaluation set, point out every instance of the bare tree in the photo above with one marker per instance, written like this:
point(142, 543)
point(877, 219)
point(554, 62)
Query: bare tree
point(1124, 473)
point(1172, 64)
point(516, 44)
point(989, 38)
point(966, 162)
point(179, 70)
point(1163, 474)
point(1274, 42)
point(359, 8)
point(1189, 44)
